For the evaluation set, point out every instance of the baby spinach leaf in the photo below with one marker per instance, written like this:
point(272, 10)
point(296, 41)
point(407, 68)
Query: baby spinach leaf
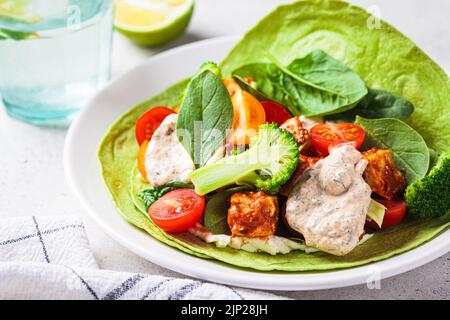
point(320, 85)
point(316, 84)
point(408, 148)
point(206, 113)
point(266, 84)
point(377, 104)
point(216, 210)
point(251, 88)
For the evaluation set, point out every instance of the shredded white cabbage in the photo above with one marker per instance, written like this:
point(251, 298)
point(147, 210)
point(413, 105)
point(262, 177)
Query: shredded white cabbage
point(271, 244)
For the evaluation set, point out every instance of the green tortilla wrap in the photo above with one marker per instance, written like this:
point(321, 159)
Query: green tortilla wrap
point(383, 57)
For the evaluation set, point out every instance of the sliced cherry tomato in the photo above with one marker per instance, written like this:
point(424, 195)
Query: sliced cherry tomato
point(149, 121)
point(395, 212)
point(248, 116)
point(177, 210)
point(141, 159)
point(275, 112)
point(327, 135)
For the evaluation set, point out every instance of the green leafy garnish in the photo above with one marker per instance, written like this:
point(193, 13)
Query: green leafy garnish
point(266, 83)
point(206, 112)
point(316, 84)
point(377, 104)
point(151, 194)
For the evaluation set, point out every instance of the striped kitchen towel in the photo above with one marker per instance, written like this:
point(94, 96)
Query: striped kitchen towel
point(48, 257)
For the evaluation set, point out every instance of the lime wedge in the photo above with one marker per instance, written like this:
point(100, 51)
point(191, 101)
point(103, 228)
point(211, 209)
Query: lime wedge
point(153, 22)
point(18, 10)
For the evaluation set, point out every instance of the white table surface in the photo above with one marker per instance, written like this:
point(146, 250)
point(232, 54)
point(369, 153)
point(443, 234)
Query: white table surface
point(31, 171)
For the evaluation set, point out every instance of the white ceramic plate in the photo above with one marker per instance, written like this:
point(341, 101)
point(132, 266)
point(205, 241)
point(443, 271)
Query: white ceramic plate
point(83, 174)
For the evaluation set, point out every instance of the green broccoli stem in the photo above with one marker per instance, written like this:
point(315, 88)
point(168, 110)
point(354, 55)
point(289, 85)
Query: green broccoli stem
point(238, 169)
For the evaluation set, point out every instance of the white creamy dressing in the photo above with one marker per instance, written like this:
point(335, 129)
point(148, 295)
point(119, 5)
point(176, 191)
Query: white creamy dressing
point(329, 203)
point(166, 159)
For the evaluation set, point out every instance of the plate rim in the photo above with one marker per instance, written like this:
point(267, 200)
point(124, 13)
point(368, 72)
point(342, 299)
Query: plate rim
point(211, 271)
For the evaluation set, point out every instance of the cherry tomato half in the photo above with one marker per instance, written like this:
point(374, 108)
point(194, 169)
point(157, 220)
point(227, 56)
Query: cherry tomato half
point(275, 112)
point(395, 212)
point(326, 135)
point(149, 121)
point(141, 159)
point(177, 210)
point(248, 116)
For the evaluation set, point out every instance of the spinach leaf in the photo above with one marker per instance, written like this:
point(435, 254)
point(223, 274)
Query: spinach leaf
point(151, 194)
point(408, 148)
point(266, 84)
point(216, 210)
point(320, 85)
point(316, 84)
point(251, 88)
point(377, 104)
point(206, 113)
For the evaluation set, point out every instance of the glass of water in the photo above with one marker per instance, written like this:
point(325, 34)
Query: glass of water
point(54, 55)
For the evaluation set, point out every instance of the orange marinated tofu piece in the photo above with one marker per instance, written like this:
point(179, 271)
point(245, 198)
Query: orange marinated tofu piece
point(294, 126)
point(382, 175)
point(253, 214)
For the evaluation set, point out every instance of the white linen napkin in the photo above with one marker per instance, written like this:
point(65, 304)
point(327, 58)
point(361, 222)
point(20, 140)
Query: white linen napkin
point(48, 257)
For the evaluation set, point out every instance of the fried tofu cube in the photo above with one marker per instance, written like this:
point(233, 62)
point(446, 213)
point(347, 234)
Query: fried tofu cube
point(381, 174)
point(294, 126)
point(253, 214)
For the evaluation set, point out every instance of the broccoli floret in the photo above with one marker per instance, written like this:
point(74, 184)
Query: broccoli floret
point(268, 164)
point(211, 66)
point(430, 197)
